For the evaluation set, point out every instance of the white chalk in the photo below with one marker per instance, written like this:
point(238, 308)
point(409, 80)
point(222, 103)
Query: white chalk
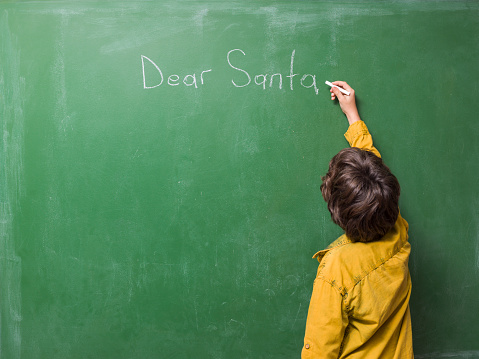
point(339, 88)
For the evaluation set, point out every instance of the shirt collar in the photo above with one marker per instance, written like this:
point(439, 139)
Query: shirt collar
point(338, 242)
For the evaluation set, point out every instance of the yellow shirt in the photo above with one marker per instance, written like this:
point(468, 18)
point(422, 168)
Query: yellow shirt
point(360, 302)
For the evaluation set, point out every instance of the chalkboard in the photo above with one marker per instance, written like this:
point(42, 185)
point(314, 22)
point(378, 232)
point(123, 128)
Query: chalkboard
point(161, 164)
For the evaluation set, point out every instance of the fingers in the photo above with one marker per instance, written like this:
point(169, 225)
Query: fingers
point(344, 85)
point(335, 93)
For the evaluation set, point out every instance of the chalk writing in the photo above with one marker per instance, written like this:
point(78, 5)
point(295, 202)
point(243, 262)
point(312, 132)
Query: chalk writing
point(241, 78)
point(188, 80)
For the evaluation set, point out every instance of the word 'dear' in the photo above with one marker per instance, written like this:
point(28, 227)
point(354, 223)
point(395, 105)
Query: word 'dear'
point(173, 79)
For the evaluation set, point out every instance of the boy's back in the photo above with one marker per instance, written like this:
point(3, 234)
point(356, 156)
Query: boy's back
point(366, 309)
point(360, 302)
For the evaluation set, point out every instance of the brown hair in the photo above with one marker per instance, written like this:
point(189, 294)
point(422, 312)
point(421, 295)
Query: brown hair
point(362, 194)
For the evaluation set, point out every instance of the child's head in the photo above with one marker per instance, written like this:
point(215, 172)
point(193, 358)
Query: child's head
point(362, 194)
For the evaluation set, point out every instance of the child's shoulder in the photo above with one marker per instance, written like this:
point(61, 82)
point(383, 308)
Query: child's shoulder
point(345, 262)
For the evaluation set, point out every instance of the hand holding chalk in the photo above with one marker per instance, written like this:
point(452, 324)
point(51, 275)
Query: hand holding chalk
point(347, 102)
point(339, 88)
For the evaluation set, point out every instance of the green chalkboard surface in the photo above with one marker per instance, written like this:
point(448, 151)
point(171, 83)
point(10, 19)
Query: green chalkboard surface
point(161, 164)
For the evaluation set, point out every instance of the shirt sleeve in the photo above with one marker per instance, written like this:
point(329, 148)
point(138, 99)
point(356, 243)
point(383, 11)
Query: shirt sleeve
point(326, 323)
point(358, 136)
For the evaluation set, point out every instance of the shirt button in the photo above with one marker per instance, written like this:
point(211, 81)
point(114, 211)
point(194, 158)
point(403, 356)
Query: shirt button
point(307, 346)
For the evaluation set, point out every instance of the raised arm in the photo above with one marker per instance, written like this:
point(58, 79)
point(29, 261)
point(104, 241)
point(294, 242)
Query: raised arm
point(347, 102)
point(358, 134)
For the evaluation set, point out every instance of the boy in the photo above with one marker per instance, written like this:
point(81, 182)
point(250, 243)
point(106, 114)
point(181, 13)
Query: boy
point(360, 302)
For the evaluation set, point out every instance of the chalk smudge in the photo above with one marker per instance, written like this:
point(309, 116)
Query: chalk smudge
point(12, 89)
